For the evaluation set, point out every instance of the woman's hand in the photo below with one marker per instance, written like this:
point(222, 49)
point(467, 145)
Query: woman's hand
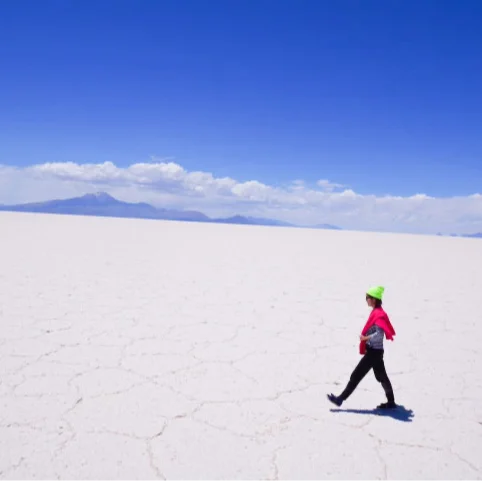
point(364, 338)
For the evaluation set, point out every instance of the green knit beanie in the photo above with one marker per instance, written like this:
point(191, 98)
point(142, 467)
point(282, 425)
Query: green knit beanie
point(376, 292)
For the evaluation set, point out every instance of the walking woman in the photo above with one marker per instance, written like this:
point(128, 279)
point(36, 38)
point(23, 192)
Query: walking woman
point(377, 327)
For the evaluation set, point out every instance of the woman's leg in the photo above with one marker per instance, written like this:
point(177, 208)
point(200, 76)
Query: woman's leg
point(382, 377)
point(360, 371)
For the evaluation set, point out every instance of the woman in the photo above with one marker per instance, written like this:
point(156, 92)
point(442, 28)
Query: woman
point(377, 327)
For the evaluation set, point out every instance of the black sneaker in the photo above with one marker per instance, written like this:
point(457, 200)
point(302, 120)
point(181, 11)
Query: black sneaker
point(387, 405)
point(335, 399)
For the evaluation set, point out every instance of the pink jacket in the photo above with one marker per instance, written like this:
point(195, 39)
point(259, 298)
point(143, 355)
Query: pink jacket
point(379, 317)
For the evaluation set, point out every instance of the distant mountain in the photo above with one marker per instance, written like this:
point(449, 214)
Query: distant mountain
point(239, 219)
point(327, 226)
point(104, 205)
point(478, 235)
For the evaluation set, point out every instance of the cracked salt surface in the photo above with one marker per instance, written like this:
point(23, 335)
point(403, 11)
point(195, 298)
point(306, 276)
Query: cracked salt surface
point(180, 350)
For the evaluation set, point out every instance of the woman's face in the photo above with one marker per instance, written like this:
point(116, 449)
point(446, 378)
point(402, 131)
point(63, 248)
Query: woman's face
point(370, 301)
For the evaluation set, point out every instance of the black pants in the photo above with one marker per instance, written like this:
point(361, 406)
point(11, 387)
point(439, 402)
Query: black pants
point(373, 358)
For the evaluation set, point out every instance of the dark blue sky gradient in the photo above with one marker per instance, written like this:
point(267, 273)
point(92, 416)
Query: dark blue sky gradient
point(384, 96)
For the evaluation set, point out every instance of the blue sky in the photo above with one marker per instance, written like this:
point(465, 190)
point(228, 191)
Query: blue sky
point(381, 97)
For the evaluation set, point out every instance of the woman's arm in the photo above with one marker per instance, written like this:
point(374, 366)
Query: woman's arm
point(376, 336)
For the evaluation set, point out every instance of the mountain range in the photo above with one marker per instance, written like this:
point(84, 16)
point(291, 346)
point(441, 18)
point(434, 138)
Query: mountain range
point(477, 235)
point(104, 205)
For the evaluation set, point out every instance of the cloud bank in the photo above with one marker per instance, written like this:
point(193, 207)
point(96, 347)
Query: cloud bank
point(168, 184)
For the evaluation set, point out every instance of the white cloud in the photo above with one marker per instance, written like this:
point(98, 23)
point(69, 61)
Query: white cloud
point(166, 183)
point(328, 186)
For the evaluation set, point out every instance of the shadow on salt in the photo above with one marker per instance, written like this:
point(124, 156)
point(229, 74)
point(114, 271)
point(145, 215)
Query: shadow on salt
point(399, 414)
